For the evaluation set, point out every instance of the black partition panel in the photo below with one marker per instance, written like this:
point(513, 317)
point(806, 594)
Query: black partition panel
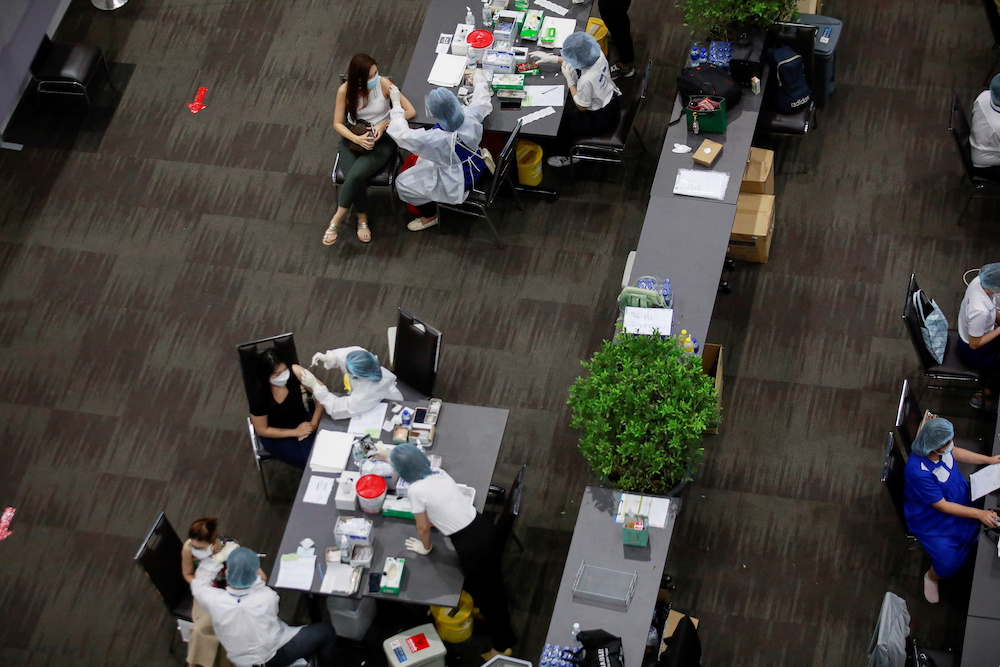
point(22, 25)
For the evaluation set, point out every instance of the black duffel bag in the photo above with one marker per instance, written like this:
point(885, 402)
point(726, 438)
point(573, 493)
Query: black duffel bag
point(709, 80)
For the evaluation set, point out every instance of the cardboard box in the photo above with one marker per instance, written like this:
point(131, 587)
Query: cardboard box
point(809, 6)
point(711, 364)
point(753, 228)
point(758, 177)
point(707, 153)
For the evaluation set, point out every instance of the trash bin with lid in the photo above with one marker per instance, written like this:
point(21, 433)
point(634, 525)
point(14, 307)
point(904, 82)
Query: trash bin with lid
point(825, 59)
point(418, 647)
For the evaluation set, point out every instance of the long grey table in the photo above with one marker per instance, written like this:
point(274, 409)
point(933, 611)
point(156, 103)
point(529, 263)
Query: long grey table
point(468, 440)
point(597, 539)
point(685, 238)
point(981, 647)
point(442, 17)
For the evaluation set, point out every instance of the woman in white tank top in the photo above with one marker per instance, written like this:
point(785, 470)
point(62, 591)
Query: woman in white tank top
point(363, 98)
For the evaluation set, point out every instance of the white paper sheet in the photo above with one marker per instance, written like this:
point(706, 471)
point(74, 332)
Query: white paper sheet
point(564, 28)
point(296, 572)
point(544, 96)
point(339, 578)
point(319, 489)
point(331, 451)
point(536, 115)
point(985, 480)
point(655, 509)
point(699, 183)
point(552, 7)
point(447, 70)
point(645, 320)
point(371, 420)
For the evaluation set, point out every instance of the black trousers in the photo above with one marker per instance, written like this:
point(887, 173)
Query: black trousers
point(615, 15)
point(479, 559)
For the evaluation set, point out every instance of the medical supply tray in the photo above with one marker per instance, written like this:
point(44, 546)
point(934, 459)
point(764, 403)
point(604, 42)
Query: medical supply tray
point(603, 587)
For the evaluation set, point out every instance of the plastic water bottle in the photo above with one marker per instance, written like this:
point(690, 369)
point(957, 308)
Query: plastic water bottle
point(575, 631)
point(470, 18)
point(668, 296)
point(703, 56)
point(487, 14)
point(693, 59)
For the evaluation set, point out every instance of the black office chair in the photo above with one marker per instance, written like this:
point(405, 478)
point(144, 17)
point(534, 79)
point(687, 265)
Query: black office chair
point(993, 18)
point(909, 415)
point(511, 510)
point(982, 187)
point(802, 39)
point(256, 391)
point(414, 353)
point(482, 196)
point(159, 556)
point(894, 483)
point(610, 146)
point(683, 647)
point(953, 369)
point(68, 71)
point(383, 178)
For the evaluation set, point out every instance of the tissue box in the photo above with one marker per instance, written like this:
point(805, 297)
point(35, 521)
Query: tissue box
point(357, 530)
point(508, 82)
point(501, 62)
point(398, 507)
point(392, 576)
point(532, 23)
point(347, 497)
point(459, 45)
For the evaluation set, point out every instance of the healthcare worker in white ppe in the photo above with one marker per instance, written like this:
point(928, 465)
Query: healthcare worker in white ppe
point(368, 383)
point(449, 161)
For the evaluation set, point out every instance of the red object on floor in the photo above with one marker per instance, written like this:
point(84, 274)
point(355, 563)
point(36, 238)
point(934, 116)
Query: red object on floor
point(8, 516)
point(196, 105)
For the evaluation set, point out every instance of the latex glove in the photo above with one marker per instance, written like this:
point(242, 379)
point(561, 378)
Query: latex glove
point(479, 78)
point(542, 57)
point(394, 95)
point(569, 72)
point(326, 358)
point(414, 544)
point(310, 380)
point(226, 550)
point(381, 453)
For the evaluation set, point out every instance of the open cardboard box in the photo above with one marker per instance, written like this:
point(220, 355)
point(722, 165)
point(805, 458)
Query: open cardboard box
point(758, 177)
point(711, 364)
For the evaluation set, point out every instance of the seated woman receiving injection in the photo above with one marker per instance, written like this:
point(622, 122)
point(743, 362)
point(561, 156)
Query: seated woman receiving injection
point(282, 417)
point(367, 382)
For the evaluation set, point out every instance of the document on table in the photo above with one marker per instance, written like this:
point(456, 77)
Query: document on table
point(369, 421)
point(985, 480)
point(645, 321)
point(655, 509)
point(331, 451)
point(699, 183)
point(296, 572)
point(564, 28)
point(544, 96)
point(318, 491)
point(536, 115)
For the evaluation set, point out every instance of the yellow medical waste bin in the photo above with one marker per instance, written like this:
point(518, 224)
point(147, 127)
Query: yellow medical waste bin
point(599, 31)
point(529, 163)
point(454, 624)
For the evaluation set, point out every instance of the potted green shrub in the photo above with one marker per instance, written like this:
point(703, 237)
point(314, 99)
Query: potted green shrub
point(642, 408)
point(728, 19)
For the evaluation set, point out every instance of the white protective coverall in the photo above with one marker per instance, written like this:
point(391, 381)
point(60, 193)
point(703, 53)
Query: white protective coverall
point(365, 394)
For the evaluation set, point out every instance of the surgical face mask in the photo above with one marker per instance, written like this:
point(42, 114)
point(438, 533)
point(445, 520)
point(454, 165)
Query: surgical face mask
point(201, 554)
point(281, 379)
point(373, 82)
point(947, 450)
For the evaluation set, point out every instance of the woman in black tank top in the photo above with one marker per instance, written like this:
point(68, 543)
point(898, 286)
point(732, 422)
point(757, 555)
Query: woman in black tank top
point(284, 416)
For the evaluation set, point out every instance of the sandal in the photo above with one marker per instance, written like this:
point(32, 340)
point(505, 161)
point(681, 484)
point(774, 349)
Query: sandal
point(364, 234)
point(330, 235)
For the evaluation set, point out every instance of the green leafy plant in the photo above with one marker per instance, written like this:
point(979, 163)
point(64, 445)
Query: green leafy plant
point(727, 19)
point(642, 408)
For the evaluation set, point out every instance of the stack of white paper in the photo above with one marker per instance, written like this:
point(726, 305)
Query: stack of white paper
point(296, 571)
point(698, 183)
point(330, 452)
point(447, 70)
point(370, 422)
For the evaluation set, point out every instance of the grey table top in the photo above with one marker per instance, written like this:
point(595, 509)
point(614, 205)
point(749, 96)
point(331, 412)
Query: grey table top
point(741, 122)
point(981, 648)
point(598, 540)
point(685, 239)
point(468, 440)
point(442, 17)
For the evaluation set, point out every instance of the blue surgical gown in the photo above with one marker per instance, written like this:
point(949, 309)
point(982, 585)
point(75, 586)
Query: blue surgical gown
point(948, 539)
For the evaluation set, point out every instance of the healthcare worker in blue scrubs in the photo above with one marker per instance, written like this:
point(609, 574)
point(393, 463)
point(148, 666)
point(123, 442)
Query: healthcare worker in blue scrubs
point(938, 505)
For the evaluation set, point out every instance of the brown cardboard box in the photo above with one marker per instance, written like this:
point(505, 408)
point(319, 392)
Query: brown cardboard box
point(707, 152)
point(809, 6)
point(753, 228)
point(711, 364)
point(758, 177)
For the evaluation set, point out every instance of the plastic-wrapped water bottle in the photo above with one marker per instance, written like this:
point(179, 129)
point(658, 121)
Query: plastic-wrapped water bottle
point(667, 292)
point(703, 56)
point(693, 59)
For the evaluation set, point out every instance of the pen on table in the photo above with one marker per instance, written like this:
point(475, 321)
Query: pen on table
point(320, 570)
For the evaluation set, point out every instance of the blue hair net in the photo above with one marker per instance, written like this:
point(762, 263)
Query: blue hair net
point(581, 50)
point(935, 434)
point(444, 106)
point(989, 277)
point(411, 463)
point(363, 364)
point(241, 568)
point(995, 90)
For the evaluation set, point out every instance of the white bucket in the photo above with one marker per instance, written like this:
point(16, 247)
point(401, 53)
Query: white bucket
point(371, 493)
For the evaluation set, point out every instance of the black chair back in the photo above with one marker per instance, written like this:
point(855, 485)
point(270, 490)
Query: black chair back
point(908, 417)
point(508, 157)
point(958, 125)
point(912, 319)
point(683, 647)
point(892, 479)
point(511, 510)
point(250, 364)
point(632, 97)
point(802, 39)
point(993, 18)
point(418, 351)
point(159, 556)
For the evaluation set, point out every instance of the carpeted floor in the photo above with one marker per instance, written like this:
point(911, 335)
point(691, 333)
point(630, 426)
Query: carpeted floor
point(137, 249)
